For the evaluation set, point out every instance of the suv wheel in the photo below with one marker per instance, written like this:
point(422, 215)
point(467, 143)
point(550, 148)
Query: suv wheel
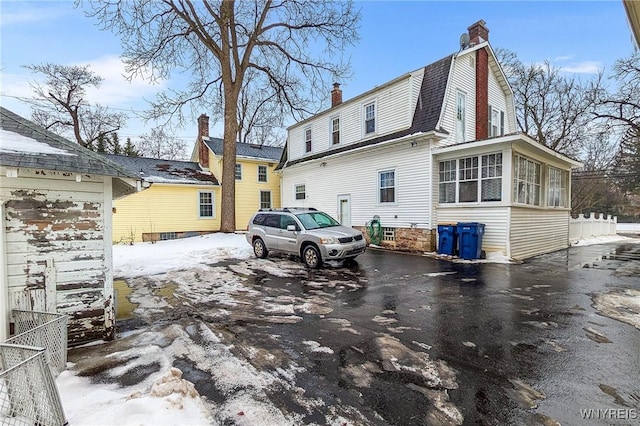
point(311, 257)
point(259, 249)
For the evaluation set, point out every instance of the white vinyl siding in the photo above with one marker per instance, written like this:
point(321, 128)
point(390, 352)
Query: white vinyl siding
point(538, 231)
point(395, 105)
point(357, 174)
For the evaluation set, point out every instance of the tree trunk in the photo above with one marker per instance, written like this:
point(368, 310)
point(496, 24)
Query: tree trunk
point(228, 220)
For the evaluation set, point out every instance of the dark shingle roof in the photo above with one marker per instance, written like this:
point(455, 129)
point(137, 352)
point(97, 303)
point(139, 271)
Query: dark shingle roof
point(30, 146)
point(263, 152)
point(425, 117)
point(164, 171)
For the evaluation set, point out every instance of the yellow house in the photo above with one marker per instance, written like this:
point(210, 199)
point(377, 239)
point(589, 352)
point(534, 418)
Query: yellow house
point(257, 186)
point(178, 199)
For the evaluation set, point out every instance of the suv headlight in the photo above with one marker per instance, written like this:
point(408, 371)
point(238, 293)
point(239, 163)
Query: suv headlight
point(329, 240)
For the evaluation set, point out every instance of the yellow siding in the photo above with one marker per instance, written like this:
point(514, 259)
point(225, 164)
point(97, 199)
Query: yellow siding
point(248, 188)
point(163, 208)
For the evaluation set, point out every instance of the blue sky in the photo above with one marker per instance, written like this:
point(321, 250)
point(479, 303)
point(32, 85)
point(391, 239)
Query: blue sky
point(396, 37)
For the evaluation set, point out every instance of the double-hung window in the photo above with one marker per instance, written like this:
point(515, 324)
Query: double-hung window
point(265, 199)
point(262, 173)
point(300, 191)
point(370, 118)
point(448, 181)
point(461, 116)
point(491, 177)
point(205, 204)
point(526, 182)
point(496, 122)
point(468, 180)
point(238, 171)
point(387, 186)
point(557, 188)
point(335, 130)
point(307, 139)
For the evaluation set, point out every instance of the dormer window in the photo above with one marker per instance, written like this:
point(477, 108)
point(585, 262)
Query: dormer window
point(307, 139)
point(370, 118)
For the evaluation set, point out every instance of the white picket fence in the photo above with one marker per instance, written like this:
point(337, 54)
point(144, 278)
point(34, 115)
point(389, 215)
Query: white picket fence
point(592, 226)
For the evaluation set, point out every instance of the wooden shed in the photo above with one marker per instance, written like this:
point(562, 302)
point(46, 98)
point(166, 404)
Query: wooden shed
point(55, 234)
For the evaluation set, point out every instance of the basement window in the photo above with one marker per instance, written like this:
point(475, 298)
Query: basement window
point(168, 236)
point(388, 234)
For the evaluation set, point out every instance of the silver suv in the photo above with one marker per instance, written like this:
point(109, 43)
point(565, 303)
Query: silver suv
point(311, 234)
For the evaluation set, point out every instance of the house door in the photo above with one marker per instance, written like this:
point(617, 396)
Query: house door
point(344, 210)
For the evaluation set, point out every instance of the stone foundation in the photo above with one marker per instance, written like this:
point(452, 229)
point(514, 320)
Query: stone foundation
point(408, 239)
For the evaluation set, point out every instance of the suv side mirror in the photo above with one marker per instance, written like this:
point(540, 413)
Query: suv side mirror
point(292, 228)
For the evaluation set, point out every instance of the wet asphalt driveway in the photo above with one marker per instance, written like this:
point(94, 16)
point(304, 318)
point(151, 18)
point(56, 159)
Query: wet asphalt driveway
point(410, 340)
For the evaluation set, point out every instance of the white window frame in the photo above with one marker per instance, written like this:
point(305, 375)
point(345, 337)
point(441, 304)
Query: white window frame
point(461, 116)
point(490, 172)
point(447, 172)
point(201, 204)
point(368, 117)
point(308, 141)
point(557, 187)
point(335, 130)
point(526, 189)
point(452, 173)
point(496, 122)
point(296, 191)
point(260, 203)
point(394, 186)
point(266, 173)
point(238, 172)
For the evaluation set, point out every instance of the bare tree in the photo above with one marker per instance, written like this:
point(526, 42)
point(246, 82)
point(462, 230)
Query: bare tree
point(60, 105)
point(623, 106)
point(260, 115)
point(160, 144)
point(294, 45)
point(551, 107)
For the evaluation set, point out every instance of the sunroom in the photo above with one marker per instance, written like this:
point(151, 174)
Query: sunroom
point(518, 188)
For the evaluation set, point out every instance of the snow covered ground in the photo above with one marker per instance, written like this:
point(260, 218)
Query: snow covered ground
point(164, 398)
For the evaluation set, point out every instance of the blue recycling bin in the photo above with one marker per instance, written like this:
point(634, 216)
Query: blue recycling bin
point(447, 239)
point(470, 239)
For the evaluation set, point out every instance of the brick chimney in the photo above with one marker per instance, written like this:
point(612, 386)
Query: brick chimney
point(336, 95)
point(203, 133)
point(479, 33)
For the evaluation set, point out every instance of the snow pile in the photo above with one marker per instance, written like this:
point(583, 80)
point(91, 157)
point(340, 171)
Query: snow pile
point(15, 143)
point(164, 256)
point(603, 239)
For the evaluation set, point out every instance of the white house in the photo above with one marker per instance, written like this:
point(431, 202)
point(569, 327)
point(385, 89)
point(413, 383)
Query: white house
point(435, 145)
point(55, 228)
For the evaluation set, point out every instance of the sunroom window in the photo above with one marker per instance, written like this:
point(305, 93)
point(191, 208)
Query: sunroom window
point(526, 182)
point(557, 188)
